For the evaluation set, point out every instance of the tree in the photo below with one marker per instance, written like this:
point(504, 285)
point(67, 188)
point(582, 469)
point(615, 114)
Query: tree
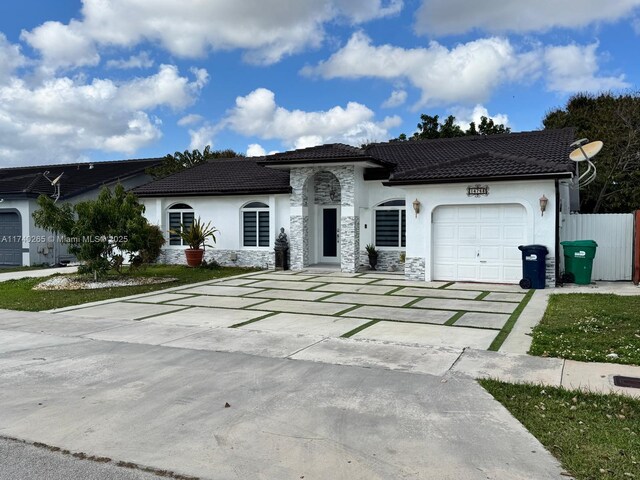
point(182, 160)
point(97, 230)
point(615, 120)
point(430, 127)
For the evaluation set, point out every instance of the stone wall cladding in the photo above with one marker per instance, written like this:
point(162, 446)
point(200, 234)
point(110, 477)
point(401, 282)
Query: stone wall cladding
point(550, 272)
point(386, 258)
point(324, 183)
point(245, 258)
point(414, 268)
point(349, 244)
point(296, 242)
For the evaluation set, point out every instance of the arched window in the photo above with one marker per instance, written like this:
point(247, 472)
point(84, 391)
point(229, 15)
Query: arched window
point(180, 215)
point(255, 225)
point(390, 224)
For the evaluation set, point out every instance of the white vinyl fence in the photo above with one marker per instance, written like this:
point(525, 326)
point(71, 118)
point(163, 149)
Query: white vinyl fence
point(613, 232)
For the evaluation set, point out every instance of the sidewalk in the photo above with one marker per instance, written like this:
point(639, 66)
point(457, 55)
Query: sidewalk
point(43, 272)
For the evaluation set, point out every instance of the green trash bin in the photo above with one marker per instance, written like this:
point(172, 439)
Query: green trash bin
point(578, 259)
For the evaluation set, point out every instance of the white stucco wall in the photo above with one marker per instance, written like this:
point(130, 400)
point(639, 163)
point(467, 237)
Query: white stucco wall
point(224, 213)
point(541, 229)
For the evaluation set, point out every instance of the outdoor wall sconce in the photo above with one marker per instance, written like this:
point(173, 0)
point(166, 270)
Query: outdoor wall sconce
point(543, 204)
point(416, 206)
point(333, 194)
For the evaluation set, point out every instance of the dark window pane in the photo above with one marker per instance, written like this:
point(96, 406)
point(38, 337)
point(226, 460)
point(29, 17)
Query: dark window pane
point(263, 229)
point(393, 203)
point(180, 206)
point(387, 228)
point(249, 229)
point(174, 225)
point(403, 230)
point(256, 205)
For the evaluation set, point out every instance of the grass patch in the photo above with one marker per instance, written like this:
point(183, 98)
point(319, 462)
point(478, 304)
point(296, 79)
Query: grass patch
point(18, 294)
point(590, 327)
point(351, 333)
point(595, 436)
point(506, 330)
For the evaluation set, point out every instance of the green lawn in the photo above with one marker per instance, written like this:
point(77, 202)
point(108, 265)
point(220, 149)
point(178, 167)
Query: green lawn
point(590, 327)
point(18, 294)
point(594, 436)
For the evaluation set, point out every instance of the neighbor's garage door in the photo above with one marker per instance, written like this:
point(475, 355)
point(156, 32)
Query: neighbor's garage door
point(10, 241)
point(479, 243)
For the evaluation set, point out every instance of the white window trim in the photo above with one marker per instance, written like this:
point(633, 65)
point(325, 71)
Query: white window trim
point(256, 209)
point(399, 248)
point(181, 211)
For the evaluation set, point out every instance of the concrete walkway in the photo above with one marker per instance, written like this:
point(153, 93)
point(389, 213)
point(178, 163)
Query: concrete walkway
point(41, 272)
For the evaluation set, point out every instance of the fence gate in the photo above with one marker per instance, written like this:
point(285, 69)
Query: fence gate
point(613, 232)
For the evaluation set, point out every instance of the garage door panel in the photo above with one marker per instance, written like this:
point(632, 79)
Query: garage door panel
point(10, 242)
point(466, 233)
point(484, 247)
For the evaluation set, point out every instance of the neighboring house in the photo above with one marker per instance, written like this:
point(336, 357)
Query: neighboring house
point(456, 208)
point(21, 242)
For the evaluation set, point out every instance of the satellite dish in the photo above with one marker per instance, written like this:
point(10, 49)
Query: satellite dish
point(584, 152)
point(57, 179)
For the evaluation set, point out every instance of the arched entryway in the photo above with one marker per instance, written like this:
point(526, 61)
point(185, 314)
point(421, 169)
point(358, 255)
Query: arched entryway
point(324, 194)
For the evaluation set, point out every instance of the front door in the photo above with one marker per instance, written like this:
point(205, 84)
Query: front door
point(329, 248)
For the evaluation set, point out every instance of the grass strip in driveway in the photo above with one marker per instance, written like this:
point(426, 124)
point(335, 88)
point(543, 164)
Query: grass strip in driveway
point(19, 294)
point(351, 333)
point(506, 330)
point(590, 327)
point(595, 436)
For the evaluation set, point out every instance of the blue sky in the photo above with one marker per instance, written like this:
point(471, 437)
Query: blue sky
point(98, 79)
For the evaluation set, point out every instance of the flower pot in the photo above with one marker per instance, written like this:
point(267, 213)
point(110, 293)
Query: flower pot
point(194, 256)
point(373, 261)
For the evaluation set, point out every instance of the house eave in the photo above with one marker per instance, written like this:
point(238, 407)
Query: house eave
point(230, 193)
point(499, 178)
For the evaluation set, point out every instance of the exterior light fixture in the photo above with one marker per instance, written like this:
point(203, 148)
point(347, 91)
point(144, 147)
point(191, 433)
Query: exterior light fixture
point(416, 206)
point(543, 204)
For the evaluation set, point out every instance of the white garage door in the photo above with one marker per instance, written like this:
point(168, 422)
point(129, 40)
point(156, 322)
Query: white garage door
point(479, 243)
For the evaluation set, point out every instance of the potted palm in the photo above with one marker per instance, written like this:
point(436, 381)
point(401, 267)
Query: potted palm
point(196, 236)
point(373, 256)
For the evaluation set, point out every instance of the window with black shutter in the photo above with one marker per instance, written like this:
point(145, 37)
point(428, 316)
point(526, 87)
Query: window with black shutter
point(180, 217)
point(255, 225)
point(390, 224)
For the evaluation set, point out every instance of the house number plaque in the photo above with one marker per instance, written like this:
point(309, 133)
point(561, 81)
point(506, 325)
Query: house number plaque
point(478, 191)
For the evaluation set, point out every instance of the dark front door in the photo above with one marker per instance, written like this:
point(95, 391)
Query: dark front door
point(330, 232)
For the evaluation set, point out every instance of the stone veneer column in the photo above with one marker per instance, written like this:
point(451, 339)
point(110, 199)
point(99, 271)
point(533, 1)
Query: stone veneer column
point(349, 221)
point(414, 268)
point(299, 218)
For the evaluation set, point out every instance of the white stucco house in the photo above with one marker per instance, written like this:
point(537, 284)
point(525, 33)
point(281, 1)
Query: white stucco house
point(454, 209)
point(24, 244)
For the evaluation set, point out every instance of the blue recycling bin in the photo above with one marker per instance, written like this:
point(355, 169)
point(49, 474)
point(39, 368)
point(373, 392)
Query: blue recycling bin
point(534, 266)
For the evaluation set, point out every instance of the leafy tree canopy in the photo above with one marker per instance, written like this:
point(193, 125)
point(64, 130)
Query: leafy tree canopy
point(182, 160)
point(430, 127)
point(100, 230)
point(615, 120)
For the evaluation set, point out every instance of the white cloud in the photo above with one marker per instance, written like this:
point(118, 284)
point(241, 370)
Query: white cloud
point(466, 73)
point(574, 68)
point(190, 119)
point(59, 119)
point(62, 46)
point(142, 60)
point(464, 116)
point(257, 114)
point(397, 98)
point(446, 17)
point(266, 29)
point(10, 58)
point(256, 150)
point(203, 136)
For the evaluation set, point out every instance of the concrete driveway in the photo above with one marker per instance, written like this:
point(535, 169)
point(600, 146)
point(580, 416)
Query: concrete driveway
point(68, 382)
point(375, 306)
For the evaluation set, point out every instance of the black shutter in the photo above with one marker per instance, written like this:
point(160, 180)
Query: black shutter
point(263, 229)
point(250, 229)
point(387, 228)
